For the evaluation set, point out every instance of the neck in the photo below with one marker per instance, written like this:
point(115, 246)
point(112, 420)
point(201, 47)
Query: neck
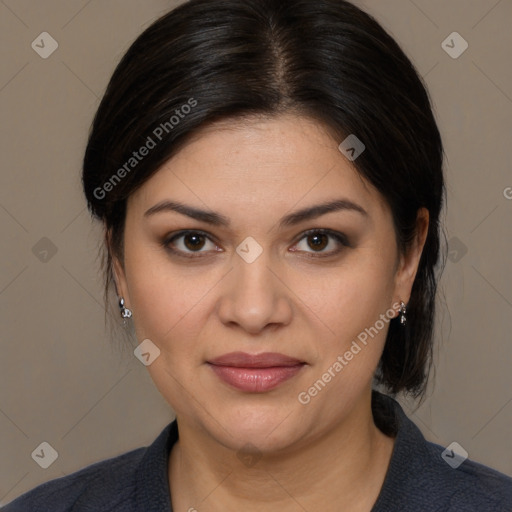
point(342, 469)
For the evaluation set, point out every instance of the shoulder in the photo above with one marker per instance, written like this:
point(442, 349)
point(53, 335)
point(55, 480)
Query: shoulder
point(97, 487)
point(470, 486)
point(426, 476)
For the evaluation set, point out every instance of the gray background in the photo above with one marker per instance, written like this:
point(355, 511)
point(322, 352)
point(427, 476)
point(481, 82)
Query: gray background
point(64, 379)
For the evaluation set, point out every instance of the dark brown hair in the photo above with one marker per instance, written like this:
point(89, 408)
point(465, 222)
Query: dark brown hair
point(210, 60)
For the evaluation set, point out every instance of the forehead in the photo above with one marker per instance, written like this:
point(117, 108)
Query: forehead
point(268, 163)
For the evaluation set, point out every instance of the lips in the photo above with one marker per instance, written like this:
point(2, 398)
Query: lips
point(264, 360)
point(255, 373)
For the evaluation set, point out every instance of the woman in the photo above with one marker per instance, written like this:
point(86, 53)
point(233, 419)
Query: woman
point(269, 177)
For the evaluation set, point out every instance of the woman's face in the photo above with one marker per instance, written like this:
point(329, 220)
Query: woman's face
point(255, 276)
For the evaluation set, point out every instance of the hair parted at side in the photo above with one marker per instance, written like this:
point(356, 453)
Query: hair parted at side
point(211, 60)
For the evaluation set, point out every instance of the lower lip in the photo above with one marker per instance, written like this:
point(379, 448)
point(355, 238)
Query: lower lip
point(256, 380)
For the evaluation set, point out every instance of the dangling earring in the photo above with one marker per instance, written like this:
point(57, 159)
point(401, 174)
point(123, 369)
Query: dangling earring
point(403, 311)
point(125, 312)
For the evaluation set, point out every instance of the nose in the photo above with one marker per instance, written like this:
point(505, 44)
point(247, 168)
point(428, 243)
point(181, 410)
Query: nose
point(255, 295)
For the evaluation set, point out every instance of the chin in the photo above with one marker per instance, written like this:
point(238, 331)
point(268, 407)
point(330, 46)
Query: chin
point(268, 428)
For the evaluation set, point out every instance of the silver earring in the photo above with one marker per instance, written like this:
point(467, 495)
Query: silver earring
point(125, 312)
point(403, 311)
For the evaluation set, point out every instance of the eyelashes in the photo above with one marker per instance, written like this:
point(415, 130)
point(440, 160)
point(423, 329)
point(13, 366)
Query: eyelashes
point(197, 239)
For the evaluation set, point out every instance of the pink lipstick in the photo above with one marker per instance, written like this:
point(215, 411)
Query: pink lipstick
point(255, 373)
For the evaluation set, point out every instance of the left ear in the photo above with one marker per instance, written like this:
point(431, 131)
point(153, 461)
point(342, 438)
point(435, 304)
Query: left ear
point(409, 262)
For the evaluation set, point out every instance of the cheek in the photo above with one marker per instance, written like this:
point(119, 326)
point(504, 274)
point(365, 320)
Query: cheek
point(354, 308)
point(169, 303)
point(164, 306)
point(168, 309)
point(156, 296)
point(350, 298)
point(350, 304)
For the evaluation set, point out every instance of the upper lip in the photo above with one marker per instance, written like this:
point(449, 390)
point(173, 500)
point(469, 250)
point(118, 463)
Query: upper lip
point(263, 360)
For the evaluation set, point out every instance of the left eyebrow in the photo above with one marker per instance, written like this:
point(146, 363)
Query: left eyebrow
point(312, 212)
point(291, 219)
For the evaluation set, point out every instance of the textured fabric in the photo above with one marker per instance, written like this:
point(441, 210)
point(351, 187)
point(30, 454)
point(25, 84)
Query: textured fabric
point(133, 482)
point(418, 479)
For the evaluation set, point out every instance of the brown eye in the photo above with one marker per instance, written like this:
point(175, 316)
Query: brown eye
point(319, 239)
point(193, 241)
point(188, 242)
